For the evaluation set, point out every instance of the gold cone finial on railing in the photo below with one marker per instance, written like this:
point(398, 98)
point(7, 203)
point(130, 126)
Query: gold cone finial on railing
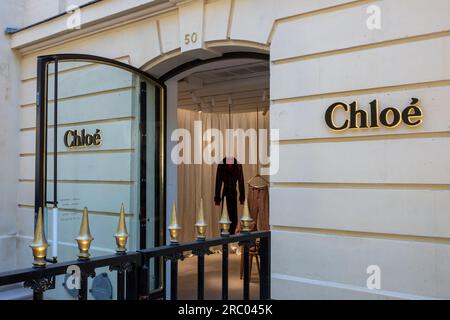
point(85, 238)
point(174, 226)
point(39, 245)
point(121, 234)
point(201, 225)
point(224, 221)
point(246, 219)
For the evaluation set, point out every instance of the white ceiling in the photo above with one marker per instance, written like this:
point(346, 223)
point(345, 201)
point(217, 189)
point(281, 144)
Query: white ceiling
point(245, 84)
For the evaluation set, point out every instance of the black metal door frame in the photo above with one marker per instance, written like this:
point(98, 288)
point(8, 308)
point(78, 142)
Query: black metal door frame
point(160, 167)
point(41, 145)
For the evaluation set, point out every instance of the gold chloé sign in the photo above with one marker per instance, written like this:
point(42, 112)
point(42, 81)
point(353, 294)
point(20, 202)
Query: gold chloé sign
point(82, 139)
point(389, 117)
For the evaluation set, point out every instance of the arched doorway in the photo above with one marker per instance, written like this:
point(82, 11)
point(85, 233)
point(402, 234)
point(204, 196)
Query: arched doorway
point(205, 87)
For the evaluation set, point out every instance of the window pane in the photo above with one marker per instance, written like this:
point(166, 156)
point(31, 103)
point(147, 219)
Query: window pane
point(99, 156)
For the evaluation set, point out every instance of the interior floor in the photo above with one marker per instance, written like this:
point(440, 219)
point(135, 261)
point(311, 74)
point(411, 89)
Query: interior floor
point(187, 279)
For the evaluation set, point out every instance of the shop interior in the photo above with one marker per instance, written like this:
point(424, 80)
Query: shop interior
point(232, 96)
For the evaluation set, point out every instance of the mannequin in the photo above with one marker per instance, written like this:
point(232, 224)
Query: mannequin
point(230, 173)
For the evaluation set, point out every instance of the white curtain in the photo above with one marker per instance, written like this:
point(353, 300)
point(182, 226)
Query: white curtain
point(198, 180)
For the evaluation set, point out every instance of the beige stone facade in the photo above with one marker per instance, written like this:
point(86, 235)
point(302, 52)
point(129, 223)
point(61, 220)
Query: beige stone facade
point(341, 201)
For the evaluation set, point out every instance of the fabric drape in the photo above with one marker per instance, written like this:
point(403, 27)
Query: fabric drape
point(198, 180)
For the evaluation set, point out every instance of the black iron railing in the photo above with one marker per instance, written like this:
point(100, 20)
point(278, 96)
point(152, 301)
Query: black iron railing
point(133, 269)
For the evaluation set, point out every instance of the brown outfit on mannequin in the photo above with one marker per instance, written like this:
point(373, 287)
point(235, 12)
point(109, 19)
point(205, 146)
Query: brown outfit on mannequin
point(229, 175)
point(258, 204)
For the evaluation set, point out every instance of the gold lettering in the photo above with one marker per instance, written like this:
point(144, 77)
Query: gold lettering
point(73, 139)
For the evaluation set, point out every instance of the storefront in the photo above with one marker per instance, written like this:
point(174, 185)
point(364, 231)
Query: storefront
point(357, 118)
point(100, 145)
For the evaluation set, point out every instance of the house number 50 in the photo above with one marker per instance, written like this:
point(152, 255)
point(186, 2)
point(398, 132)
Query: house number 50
point(190, 38)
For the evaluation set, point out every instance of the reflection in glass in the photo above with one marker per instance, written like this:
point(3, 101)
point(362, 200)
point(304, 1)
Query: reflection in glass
point(99, 157)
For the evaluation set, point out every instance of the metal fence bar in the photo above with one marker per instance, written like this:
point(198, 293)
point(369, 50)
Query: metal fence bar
point(201, 277)
point(38, 295)
point(120, 285)
point(264, 286)
point(173, 279)
point(246, 272)
point(83, 292)
point(131, 283)
point(225, 272)
point(194, 245)
point(143, 280)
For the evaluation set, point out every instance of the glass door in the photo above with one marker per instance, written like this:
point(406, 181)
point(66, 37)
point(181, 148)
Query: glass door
point(99, 146)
